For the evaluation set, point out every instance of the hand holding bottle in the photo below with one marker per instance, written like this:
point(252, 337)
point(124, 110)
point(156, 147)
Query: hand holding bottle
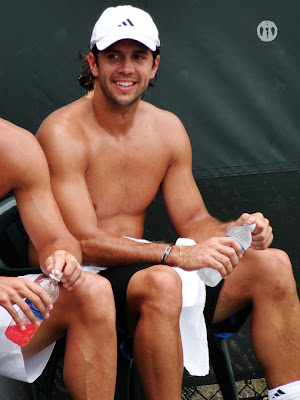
point(61, 260)
point(243, 235)
point(22, 336)
point(13, 291)
point(262, 235)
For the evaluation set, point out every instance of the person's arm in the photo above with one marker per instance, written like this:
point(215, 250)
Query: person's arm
point(187, 209)
point(56, 247)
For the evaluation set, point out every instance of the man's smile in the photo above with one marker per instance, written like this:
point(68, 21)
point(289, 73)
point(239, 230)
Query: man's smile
point(120, 83)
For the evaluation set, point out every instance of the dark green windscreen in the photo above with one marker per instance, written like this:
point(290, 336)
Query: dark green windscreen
point(236, 94)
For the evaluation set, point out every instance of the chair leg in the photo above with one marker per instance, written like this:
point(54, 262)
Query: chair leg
point(221, 364)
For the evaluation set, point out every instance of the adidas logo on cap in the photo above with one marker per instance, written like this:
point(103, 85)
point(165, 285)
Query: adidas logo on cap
point(126, 23)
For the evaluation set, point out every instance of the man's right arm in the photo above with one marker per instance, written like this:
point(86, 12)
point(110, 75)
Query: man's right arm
point(26, 173)
point(40, 215)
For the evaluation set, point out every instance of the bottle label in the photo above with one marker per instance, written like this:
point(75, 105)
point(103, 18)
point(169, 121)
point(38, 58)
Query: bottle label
point(33, 308)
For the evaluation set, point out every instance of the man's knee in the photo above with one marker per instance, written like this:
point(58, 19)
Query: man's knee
point(98, 289)
point(282, 273)
point(273, 271)
point(94, 299)
point(157, 287)
point(274, 261)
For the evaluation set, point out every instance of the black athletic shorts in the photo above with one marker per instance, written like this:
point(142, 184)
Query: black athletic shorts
point(119, 278)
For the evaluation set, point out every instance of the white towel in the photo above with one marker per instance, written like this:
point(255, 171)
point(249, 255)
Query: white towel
point(192, 322)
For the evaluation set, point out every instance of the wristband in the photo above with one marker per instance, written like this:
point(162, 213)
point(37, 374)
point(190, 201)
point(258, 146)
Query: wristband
point(166, 253)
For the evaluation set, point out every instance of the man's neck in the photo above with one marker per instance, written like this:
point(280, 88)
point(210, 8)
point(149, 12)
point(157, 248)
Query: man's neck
point(115, 118)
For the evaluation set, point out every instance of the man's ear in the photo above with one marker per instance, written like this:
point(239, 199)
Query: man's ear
point(155, 66)
point(93, 64)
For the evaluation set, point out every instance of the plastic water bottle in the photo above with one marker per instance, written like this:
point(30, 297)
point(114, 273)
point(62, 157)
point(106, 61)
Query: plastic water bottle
point(22, 338)
point(243, 235)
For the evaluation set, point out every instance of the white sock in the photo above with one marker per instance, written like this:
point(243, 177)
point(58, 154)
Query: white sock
point(290, 391)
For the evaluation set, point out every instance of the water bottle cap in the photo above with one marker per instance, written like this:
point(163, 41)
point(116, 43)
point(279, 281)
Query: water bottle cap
point(55, 277)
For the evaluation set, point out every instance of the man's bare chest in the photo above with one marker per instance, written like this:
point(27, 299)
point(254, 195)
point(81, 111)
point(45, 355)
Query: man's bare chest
point(121, 182)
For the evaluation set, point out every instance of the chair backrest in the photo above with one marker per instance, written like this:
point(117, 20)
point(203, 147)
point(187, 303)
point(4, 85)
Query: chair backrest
point(13, 240)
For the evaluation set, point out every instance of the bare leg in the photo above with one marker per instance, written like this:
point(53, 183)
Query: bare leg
point(154, 305)
point(265, 278)
point(87, 316)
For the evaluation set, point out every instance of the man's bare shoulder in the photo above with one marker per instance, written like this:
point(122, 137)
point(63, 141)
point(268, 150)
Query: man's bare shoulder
point(170, 132)
point(63, 132)
point(167, 123)
point(17, 143)
point(22, 157)
point(64, 121)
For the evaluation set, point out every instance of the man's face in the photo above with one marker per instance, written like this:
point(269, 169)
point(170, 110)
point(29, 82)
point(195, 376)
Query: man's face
point(124, 71)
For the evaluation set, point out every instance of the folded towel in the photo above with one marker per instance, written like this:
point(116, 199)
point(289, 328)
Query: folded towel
point(192, 322)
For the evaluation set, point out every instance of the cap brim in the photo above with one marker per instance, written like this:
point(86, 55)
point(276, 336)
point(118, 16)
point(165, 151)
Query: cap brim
point(102, 44)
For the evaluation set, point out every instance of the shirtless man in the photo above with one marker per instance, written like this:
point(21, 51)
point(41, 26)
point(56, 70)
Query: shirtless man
point(84, 310)
point(109, 152)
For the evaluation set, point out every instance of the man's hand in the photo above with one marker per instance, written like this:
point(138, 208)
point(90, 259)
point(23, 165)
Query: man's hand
point(220, 253)
point(62, 261)
point(14, 290)
point(262, 236)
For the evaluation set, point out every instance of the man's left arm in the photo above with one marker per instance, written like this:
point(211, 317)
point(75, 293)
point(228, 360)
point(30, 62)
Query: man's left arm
point(186, 207)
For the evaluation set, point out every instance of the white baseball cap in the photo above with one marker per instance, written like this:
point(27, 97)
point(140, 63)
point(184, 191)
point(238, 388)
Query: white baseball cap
point(124, 22)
